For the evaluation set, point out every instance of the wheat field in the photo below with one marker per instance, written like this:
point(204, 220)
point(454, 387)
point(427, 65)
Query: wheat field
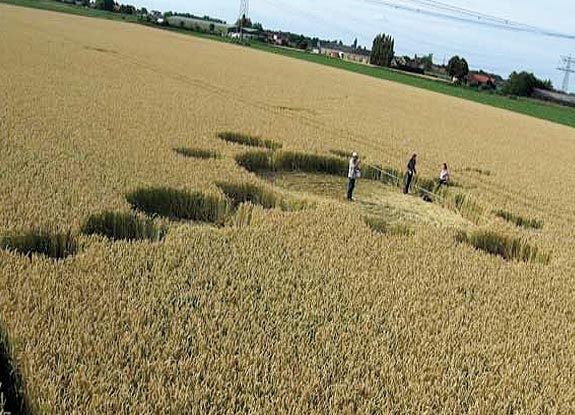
point(296, 311)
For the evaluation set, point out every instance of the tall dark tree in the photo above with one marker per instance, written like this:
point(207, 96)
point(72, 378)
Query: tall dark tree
point(457, 67)
point(382, 51)
point(127, 9)
point(105, 5)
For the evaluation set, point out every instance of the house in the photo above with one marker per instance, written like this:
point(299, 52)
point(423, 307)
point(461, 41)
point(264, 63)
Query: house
point(344, 52)
point(405, 63)
point(399, 61)
point(156, 15)
point(482, 80)
point(439, 69)
point(277, 38)
point(245, 32)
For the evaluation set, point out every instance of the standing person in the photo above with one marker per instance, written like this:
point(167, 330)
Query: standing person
point(443, 177)
point(410, 173)
point(352, 174)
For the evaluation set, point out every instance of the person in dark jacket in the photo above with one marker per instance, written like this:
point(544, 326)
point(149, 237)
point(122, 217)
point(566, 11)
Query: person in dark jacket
point(410, 173)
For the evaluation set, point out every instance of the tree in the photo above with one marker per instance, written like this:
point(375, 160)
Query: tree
point(105, 5)
point(303, 44)
point(523, 84)
point(127, 9)
point(212, 27)
point(382, 51)
point(427, 61)
point(354, 45)
point(258, 27)
point(244, 21)
point(457, 67)
point(143, 11)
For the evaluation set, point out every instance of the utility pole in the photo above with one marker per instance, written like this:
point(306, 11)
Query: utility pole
point(568, 67)
point(244, 10)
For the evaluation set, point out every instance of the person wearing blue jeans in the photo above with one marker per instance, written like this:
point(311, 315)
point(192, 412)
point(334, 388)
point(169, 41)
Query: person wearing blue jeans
point(352, 174)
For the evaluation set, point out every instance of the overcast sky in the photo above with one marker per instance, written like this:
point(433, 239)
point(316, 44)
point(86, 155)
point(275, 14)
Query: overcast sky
point(488, 48)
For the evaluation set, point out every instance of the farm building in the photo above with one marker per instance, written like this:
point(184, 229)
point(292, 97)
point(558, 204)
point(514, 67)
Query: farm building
point(199, 25)
point(481, 80)
point(247, 32)
point(277, 38)
point(407, 64)
point(346, 52)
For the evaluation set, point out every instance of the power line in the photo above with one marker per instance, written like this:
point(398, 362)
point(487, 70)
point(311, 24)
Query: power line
point(287, 7)
point(446, 11)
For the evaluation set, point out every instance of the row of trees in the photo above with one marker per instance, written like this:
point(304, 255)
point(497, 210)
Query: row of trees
point(193, 16)
point(519, 83)
point(112, 6)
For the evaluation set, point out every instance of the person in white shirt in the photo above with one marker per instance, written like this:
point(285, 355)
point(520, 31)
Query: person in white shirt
point(443, 177)
point(353, 173)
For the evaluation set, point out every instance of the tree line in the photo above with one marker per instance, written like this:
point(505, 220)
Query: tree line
point(519, 83)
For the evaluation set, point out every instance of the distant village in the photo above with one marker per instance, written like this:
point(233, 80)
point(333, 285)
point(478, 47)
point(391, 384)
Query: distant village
point(246, 31)
point(334, 49)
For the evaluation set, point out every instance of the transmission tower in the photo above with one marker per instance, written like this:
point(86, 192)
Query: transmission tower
point(569, 68)
point(244, 10)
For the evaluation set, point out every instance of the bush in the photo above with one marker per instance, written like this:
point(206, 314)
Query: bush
point(248, 140)
point(523, 84)
point(120, 225)
point(178, 204)
point(245, 192)
point(52, 245)
point(518, 220)
point(503, 246)
point(197, 153)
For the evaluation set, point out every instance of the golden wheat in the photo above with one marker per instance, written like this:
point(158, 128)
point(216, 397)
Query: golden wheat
point(305, 311)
